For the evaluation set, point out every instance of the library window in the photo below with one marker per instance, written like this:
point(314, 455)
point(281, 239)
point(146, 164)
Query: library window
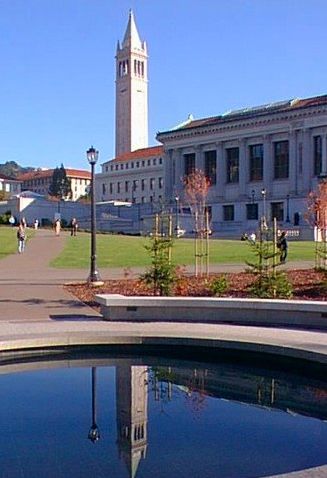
point(317, 152)
point(281, 160)
point(256, 162)
point(252, 212)
point(277, 211)
point(210, 166)
point(189, 163)
point(232, 165)
point(228, 212)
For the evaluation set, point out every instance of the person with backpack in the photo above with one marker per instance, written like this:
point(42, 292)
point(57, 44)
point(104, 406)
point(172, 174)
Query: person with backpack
point(21, 237)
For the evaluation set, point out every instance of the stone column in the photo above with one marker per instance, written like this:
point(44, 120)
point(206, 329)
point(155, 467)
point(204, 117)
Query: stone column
point(292, 163)
point(221, 171)
point(242, 167)
point(268, 162)
point(169, 172)
point(307, 159)
point(179, 169)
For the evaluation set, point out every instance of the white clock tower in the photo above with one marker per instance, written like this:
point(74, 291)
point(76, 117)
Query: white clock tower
point(131, 92)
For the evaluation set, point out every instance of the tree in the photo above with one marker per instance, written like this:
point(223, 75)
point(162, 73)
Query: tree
point(60, 186)
point(317, 217)
point(161, 274)
point(196, 187)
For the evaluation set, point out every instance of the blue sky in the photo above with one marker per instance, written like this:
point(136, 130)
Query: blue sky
point(206, 57)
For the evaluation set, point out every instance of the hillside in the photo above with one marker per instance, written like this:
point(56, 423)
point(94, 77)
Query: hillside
point(12, 169)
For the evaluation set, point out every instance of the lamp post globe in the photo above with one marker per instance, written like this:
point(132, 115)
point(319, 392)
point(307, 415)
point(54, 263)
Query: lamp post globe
point(94, 278)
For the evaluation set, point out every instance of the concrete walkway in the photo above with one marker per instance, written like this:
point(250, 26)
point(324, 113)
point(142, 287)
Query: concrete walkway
point(30, 290)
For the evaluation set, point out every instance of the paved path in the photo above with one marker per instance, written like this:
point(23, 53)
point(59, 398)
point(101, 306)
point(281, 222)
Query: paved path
point(31, 290)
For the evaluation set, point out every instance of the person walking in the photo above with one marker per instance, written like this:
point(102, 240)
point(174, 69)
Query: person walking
point(73, 227)
point(57, 227)
point(21, 237)
point(283, 247)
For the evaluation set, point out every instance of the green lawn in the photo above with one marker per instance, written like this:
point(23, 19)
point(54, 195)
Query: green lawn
point(8, 240)
point(127, 251)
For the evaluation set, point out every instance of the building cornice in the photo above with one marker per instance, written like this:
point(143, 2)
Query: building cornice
point(229, 125)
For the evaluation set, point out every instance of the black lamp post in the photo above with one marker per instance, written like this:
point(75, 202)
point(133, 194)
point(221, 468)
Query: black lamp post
point(94, 277)
point(288, 208)
point(177, 215)
point(94, 434)
point(252, 195)
point(264, 217)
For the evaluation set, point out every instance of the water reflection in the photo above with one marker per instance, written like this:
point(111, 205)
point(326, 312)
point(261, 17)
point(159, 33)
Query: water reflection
point(160, 417)
point(132, 414)
point(94, 433)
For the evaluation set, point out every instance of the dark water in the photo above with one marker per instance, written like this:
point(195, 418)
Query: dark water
point(158, 418)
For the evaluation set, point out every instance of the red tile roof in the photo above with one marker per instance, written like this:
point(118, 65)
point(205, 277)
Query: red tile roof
point(78, 173)
point(141, 153)
point(46, 173)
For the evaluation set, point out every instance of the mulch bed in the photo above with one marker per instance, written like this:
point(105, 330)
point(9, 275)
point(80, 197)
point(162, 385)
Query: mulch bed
point(307, 284)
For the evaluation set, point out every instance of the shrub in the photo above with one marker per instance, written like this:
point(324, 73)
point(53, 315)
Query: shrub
point(4, 218)
point(272, 286)
point(219, 285)
point(161, 275)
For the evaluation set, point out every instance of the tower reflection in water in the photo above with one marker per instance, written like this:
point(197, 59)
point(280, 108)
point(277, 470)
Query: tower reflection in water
point(285, 392)
point(132, 414)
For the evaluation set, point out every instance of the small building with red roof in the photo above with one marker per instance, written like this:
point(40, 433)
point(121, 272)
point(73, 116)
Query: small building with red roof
point(134, 177)
point(39, 181)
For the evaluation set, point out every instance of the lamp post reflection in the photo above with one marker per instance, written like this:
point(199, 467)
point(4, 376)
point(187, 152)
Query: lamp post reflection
point(94, 433)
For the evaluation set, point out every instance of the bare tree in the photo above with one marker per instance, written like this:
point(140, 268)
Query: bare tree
point(317, 217)
point(196, 187)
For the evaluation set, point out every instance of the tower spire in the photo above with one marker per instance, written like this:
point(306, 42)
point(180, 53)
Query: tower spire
point(132, 37)
point(131, 91)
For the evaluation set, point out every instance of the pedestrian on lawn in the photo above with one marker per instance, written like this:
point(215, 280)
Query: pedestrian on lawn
point(73, 227)
point(283, 247)
point(21, 236)
point(57, 227)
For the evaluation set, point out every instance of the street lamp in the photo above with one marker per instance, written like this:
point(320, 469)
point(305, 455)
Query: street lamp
point(288, 208)
point(264, 218)
point(94, 277)
point(177, 215)
point(94, 434)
